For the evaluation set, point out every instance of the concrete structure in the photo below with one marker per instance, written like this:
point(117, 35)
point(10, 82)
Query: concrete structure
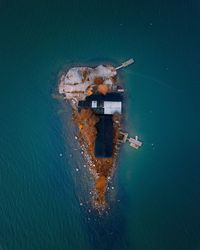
point(125, 64)
point(123, 137)
point(135, 143)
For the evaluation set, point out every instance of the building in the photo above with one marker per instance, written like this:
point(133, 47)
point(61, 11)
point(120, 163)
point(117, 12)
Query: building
point(104, 138)
point(108, 104)
point(104, 106)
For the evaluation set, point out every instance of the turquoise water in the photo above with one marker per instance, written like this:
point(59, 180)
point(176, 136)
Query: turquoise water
point(155, 203)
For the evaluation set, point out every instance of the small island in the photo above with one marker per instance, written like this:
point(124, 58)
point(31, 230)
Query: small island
point(96, 99)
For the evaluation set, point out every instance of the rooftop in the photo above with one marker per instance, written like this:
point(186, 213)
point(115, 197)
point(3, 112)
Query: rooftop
point(104, 139)
point(103, 104)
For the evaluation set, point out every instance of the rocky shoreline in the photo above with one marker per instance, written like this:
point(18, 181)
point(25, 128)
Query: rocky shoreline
point(78, 85)
point(101, 169)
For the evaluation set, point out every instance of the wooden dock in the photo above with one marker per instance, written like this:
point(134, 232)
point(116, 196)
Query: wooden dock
point(134, 142)
point(124, 137)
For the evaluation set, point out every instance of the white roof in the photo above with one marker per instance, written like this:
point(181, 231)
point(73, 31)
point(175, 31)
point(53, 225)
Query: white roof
point(112, 107)
point(94, 104)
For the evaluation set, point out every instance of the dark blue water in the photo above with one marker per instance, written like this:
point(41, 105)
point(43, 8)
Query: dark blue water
point(155, 202)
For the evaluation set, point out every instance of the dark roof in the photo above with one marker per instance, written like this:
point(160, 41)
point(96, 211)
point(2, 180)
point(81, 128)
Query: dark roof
point(104, 139)
point(87, 103)
point(108, 97)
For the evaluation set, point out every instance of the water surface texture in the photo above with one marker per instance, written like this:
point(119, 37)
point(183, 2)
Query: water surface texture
point(155, 201)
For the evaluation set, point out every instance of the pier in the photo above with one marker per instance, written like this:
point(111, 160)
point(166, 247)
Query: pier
point(125, 64)
point(134, 142)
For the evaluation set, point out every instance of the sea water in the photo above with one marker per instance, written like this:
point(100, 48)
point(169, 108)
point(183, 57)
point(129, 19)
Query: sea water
point(154, 195)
